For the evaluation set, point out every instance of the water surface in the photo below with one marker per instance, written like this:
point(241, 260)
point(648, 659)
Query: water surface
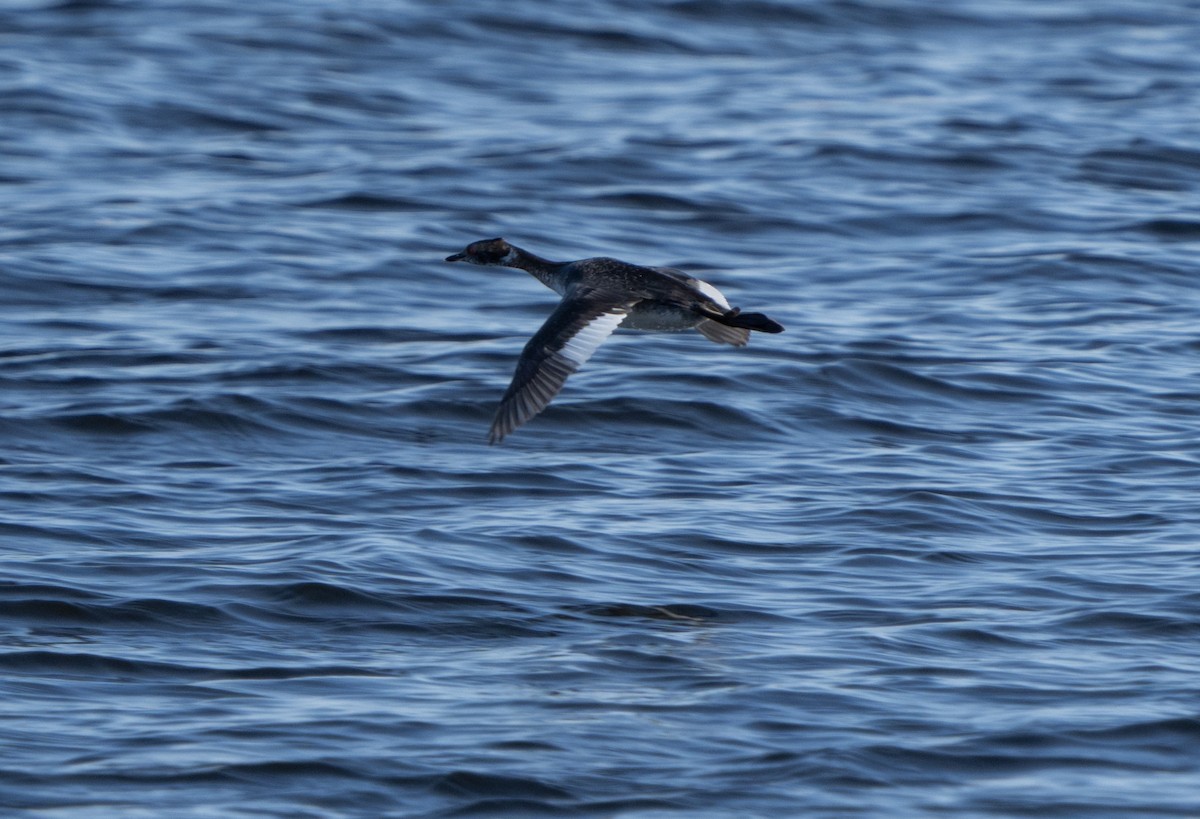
point(930, 552)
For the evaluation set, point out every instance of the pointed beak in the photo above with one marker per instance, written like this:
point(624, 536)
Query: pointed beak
point(457, 257)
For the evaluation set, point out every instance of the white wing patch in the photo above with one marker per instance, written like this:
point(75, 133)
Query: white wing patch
point(713, 293)
point(579, 347)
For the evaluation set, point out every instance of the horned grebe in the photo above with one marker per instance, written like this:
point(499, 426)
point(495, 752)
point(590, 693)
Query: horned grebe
point(598, 295)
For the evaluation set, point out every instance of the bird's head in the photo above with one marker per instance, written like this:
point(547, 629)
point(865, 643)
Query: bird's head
point(485, 252)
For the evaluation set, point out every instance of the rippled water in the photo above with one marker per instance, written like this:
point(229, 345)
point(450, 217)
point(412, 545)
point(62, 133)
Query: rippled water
point(933, 551)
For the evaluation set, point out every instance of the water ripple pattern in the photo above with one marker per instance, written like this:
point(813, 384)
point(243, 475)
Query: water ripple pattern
point(931, 552)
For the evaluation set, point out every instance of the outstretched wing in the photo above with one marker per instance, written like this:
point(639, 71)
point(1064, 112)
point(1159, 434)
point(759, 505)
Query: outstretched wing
point(579, 324)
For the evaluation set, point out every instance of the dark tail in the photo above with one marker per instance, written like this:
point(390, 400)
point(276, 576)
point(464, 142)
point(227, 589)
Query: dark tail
point(751, 321)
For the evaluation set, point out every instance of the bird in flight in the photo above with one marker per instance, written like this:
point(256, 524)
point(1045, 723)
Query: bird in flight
point(598, 295)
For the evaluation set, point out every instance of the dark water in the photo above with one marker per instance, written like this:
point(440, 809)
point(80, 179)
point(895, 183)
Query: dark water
point(932, 552)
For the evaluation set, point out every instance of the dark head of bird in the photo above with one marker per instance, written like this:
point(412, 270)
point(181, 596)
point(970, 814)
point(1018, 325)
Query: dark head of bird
point(485, 252)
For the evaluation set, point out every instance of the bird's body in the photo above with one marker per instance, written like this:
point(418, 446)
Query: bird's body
point(599, 295)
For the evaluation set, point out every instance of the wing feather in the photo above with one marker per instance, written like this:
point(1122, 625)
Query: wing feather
point(721, 334)
point(576, 328)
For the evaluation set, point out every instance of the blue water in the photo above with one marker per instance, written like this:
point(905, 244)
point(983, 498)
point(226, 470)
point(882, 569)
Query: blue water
point(931, 552)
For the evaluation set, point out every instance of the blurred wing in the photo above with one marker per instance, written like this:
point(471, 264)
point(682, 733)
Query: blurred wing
point(580, 323)
point(715, 331)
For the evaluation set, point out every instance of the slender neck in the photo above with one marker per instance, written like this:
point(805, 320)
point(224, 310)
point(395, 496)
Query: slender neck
point(541, 269)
